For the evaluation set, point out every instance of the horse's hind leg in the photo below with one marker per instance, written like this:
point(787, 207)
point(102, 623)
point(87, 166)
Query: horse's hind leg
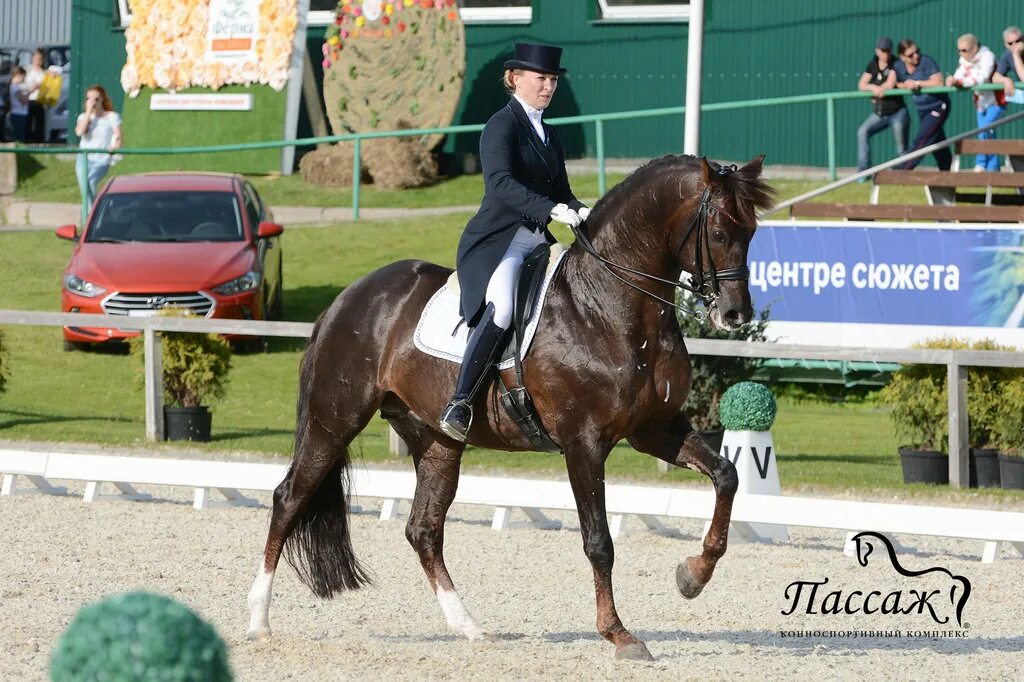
point(312, 501)
point(677, 443)
point(586, 475)
point(437, 459)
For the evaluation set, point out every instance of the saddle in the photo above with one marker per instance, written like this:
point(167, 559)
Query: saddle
point(516, 400)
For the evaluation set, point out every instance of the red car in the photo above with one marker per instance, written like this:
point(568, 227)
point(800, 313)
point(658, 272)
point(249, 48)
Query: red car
point(202, 241)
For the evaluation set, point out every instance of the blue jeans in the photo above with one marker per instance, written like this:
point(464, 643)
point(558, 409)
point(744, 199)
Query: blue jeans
point(900, 124)
point(96, 171)
point(988, 116)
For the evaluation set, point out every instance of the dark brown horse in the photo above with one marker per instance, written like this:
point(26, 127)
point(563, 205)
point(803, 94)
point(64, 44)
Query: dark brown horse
point(607, 363)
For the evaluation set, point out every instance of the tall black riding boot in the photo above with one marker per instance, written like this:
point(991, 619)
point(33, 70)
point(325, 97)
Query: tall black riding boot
point(482, 351)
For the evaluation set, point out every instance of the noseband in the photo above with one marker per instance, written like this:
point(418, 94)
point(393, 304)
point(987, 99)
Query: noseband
point(704, 283)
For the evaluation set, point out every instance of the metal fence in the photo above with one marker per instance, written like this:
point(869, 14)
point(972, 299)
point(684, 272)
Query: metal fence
point(598, 120)
point(956, 361)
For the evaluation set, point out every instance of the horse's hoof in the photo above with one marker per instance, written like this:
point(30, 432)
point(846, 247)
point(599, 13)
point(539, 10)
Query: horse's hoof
point(687, 584)
point(258, 634)
point(637, 651)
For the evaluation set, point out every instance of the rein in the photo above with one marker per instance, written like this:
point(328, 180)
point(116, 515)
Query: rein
point(705, 283)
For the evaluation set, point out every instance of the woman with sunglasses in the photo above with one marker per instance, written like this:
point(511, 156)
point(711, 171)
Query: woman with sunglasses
point(977, 64)
point(915, 71)
point(98, 127)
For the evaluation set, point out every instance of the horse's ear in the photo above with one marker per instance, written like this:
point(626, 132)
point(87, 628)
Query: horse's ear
point(706, 172)
point(753, 166)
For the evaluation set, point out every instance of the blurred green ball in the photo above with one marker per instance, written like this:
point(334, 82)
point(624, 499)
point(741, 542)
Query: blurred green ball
point(139, 636)
point(747, 406)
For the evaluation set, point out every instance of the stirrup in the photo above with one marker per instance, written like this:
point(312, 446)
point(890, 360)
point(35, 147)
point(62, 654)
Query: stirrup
point(449, 429)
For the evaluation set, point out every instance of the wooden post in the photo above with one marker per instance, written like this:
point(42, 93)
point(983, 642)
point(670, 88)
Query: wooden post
point(154, 385)
point(956, 380)
point(396, 444)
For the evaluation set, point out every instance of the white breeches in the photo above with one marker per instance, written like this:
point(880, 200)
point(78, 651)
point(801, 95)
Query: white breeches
point(501, 286)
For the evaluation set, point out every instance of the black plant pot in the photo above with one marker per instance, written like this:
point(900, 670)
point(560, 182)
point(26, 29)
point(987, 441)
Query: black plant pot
point(713, 438)
point(924, 466)
point(984, 468)
point(1011, 472)
point(187, 423)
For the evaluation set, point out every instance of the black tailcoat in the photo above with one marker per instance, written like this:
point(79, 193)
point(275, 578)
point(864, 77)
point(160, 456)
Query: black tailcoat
point(523, 180)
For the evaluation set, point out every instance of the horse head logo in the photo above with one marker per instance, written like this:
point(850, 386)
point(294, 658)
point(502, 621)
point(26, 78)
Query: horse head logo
point(961, 584)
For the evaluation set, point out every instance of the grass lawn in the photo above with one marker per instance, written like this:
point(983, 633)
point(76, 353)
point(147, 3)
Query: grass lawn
point(95, 396)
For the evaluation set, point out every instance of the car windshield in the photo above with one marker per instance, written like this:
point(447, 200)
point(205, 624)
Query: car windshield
point(166, 217)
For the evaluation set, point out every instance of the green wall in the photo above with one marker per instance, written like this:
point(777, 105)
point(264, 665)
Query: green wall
point(752, 49)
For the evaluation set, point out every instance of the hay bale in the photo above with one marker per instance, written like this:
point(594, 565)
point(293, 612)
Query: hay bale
point(399, 162)
point(329, 166)
point(139, 636)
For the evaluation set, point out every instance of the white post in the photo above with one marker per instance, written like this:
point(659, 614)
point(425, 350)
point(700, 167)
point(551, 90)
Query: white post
point(694, 59)
point(154, 385)
point(294, 94)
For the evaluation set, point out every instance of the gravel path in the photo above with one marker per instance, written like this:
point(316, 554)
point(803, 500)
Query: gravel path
point(532, 588)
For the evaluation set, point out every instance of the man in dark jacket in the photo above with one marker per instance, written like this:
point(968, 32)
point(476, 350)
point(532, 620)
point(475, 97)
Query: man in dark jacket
point(526, 187)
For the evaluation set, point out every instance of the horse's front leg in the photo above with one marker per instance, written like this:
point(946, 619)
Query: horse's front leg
point(586, 475)
point(676, 442)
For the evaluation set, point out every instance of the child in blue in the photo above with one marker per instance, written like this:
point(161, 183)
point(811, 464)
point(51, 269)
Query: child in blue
point(915, 71)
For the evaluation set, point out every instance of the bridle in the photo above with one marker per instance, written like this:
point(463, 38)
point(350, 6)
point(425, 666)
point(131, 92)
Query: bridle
point(704, 284)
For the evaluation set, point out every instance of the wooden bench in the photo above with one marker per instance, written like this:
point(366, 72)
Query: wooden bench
point(1012, 149)
point(940, 186)
point(966, 214)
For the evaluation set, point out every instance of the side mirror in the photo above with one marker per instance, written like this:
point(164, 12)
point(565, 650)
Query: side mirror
point(69, 232)
point(266, 230)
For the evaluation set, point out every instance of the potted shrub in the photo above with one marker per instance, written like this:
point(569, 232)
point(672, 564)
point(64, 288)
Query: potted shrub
point(1009, 434)
point(195, 369)
point(919, 399)
point(714, 374)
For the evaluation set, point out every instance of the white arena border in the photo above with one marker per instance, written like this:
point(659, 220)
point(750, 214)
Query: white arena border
point(648, 503)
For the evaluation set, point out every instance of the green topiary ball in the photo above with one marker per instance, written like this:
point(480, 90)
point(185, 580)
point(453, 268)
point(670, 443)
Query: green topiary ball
point(139, 636)
point(747, 406)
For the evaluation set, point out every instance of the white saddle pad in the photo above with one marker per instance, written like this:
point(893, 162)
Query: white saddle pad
point(440, 334)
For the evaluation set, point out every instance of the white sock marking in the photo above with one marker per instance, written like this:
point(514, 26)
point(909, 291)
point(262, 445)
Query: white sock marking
point(457, 616)
point(259, 603)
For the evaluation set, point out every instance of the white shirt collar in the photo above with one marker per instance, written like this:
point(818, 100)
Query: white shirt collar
point(534, 114)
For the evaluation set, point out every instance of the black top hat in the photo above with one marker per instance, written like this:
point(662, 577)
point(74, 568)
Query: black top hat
point(533, 57)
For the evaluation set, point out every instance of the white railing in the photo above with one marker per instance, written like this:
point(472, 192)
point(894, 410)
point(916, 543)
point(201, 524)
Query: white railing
point(956, 361)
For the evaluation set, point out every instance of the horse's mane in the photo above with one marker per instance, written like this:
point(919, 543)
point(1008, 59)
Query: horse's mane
point(749, 190)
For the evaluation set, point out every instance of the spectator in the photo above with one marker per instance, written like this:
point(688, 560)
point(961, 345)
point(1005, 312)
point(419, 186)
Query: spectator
point(915, 71)
point(977, 63)
point(18, 116)
point(34, 76)
point(878, 78)
point(98, 127)
point(1010, 66)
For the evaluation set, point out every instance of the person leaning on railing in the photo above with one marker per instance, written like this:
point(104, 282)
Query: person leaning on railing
point(1010, 66)
point(977, 64)
point(878, 78)
point(913, 72)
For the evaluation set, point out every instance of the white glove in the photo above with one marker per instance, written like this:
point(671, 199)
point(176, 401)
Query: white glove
point(584, 212)
point(564, 214)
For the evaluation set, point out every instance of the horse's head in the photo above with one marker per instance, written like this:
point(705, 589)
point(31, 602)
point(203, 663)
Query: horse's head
point(710, 242)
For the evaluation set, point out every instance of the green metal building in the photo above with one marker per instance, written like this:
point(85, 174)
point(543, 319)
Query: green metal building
point(752, 49)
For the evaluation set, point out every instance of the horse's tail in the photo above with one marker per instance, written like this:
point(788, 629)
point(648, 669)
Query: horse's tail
point(320, 548)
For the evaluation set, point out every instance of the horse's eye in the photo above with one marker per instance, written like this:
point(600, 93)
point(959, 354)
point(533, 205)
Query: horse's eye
point(719, 236)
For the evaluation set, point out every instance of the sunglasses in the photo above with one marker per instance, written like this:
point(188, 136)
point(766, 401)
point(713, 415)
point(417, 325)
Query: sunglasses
point(1010, 43)
point(962, 50)
point(909, 55)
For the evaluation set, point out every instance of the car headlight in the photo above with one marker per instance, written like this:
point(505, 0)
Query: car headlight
point(77, 285)
point(247, 282)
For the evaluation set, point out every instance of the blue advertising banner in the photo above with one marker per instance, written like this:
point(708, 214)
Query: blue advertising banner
point(849, 273)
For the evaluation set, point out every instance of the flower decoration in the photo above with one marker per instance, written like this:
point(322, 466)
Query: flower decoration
point(166, 47)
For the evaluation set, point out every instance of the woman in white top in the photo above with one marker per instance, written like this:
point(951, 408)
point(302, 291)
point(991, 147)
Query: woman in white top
point(977, 64)
point(98, 127)
point(34, 76)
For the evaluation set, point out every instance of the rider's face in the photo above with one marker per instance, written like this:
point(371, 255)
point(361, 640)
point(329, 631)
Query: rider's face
point(536, 89)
